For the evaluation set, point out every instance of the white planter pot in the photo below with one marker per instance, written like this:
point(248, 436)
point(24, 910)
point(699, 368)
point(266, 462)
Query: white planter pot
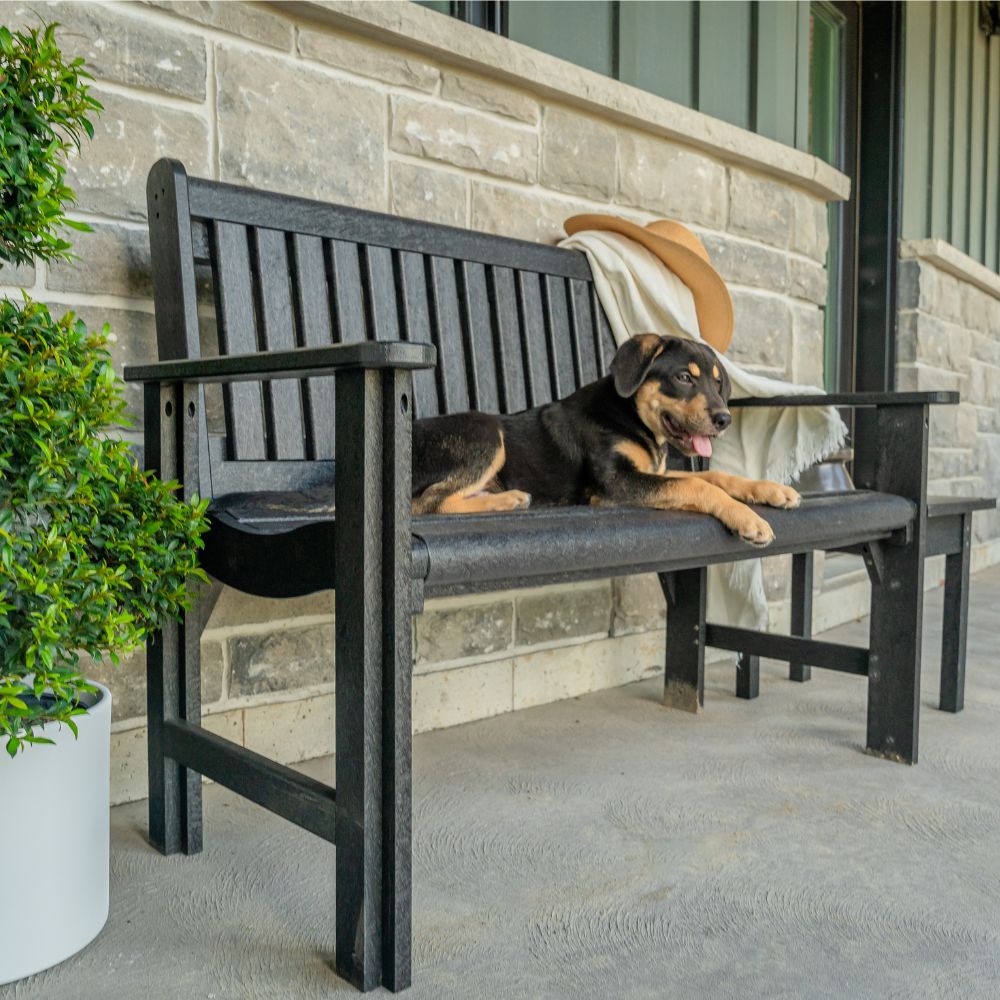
point(55, 840)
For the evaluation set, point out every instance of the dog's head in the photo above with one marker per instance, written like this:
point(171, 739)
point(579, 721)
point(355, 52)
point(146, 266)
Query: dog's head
point(679, 387)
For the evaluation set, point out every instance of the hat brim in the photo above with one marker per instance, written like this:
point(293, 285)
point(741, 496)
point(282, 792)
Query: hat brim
point(712, 301)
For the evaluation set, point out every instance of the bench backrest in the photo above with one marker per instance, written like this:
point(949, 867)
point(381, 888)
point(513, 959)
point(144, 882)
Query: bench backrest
point(515, 323)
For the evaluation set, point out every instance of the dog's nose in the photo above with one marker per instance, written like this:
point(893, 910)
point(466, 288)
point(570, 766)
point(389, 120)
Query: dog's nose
point(721, 420)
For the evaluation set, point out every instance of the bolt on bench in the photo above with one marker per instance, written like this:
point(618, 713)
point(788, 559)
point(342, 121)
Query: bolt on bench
point(329, 321)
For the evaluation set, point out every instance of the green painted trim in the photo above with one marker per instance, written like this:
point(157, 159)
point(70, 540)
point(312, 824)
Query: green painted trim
point(724, 63)
point(918, 97)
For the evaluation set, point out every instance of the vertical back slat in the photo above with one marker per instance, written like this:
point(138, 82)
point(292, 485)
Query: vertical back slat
point(238, 335)
point(417, 328)
point(532, 323)
point(561, 361)
point(312, 306)
point(380, 288)
point(603, 337)
point(481, 355)
point(510, 357)
point(282, 397)
point(582, 331)
point(344, 274)
point(447, 330)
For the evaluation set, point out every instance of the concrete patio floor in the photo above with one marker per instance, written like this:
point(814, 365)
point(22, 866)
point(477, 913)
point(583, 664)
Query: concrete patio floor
point(607, 847)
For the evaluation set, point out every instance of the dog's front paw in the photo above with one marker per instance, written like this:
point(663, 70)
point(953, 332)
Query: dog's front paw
point(513, 500)
point(775, 495)
point(751, 527)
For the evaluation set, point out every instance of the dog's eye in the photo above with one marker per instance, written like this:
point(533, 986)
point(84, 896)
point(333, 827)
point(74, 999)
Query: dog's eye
point(684, 377)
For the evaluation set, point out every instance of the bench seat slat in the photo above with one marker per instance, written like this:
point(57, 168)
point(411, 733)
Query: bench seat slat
point(480, 552)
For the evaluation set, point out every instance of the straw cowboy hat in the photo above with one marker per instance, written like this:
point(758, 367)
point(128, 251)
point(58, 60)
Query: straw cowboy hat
point(685, 255)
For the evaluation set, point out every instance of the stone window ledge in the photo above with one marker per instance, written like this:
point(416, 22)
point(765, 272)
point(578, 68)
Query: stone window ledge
point(408, 26)
point(950, 259)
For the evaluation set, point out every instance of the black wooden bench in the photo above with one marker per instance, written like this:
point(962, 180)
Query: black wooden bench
point(949, 533)
point(304, 291)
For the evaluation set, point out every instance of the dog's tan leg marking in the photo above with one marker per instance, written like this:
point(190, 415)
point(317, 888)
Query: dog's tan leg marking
point(761, 491)
point(508, 500)
point(691, 492)
point(450, 498)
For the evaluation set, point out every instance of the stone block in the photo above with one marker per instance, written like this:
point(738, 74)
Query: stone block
point(747, 263)
point(129, 780)
point(359, 56)
point(463, 138)
point(428, 194)
point(760, 209)
point(984, 384)
point(119, 47)
point(261, 662)
point(908, 284)
point(578, 154)
point(983, 347)
point(638, 604)
point(246, 20)
point(289, 732)
point(979, 309)
point(19, 276)
point(519, 213)
point(810, 226)
point(324, 136)
point(808, 339)
point(567, 671)
point(456, 633)
point(763, 331)
point(674, 181)
point(949, 463)
point(212, 669)
point(235, 608)
point(563, 613)
point(451, 697)
point(126, 682)
point(807, 280)
point(111, 259)
point(487, 95)
point(924, 378)
point(966, 424)
point(109, 173)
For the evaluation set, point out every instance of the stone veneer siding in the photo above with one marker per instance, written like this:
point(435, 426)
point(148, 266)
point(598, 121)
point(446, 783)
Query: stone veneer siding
point(949, 338)
point(324, 107)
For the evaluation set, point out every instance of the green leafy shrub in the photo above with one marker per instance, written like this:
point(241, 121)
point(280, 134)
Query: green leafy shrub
point(94, 553)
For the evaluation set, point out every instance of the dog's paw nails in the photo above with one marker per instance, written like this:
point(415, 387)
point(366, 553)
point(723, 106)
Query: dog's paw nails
point(755, 530)
point(791, 498)
point(776, 495)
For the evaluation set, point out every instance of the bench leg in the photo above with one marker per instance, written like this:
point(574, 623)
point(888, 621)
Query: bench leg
point(802, 597)
point(173, 654)
point(955, 624)
point(373, 670)
point(747, 676)
point(173, 691)
point(898, 589)
point(685, 591)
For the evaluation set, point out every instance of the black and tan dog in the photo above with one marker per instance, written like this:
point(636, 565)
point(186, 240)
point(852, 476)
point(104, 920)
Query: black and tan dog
point(605, 444)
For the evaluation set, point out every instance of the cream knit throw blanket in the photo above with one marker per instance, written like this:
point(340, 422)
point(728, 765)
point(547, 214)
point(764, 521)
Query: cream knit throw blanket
point(641, 295)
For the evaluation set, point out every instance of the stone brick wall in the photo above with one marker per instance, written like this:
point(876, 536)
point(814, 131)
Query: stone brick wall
point(338, 107)
point(949, 338)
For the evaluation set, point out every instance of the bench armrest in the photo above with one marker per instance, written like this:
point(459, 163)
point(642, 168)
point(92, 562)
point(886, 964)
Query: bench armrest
point(854, 399)
point(301, 362)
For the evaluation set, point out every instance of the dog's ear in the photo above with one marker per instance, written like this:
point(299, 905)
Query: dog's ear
point(633, 361)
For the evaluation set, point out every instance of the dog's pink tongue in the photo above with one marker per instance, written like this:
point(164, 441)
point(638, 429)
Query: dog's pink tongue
point(702, 445)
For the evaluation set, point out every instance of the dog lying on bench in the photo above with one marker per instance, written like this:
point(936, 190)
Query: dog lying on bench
point(606, 444)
